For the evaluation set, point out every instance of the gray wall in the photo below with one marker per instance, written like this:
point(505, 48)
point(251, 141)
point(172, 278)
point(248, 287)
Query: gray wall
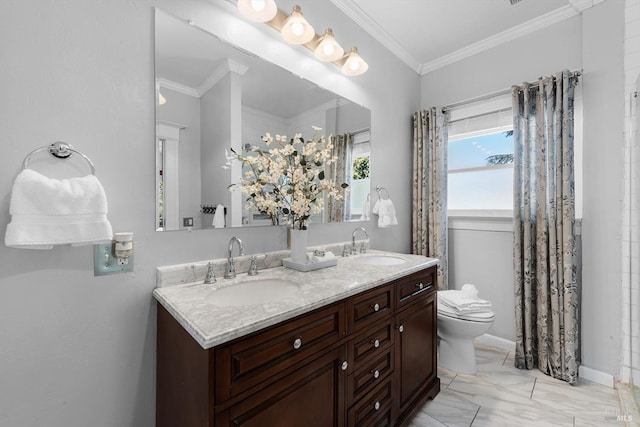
point(185, 110)
point(215, 117)
point(603, 181)
point(592, 42)
point(482, 258)
point(79, 350)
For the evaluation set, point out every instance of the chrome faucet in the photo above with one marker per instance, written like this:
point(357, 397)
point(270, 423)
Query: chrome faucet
point(230, 272)
point(353, 240)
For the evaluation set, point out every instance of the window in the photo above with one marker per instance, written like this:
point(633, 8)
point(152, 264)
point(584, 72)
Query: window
point(481, 172)
point(480, 158)
point(358, 174)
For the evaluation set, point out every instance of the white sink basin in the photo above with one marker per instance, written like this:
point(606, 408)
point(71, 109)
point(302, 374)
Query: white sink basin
point(380, 260)
point(253, 292)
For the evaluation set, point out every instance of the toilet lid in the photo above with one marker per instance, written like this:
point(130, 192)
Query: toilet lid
point(484, 316)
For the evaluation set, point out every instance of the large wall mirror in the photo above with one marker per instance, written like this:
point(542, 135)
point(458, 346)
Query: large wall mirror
point(212, 96)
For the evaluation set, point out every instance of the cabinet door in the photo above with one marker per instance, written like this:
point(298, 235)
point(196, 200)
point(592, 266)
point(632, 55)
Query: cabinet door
point(312, 396)
point(416, 354)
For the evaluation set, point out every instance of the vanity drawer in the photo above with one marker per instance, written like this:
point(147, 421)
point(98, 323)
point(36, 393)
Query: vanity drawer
point(374, 409)
point(369, 344)
point(369, 375)
point(368, 307)
point(415, 286)
point(246, 362)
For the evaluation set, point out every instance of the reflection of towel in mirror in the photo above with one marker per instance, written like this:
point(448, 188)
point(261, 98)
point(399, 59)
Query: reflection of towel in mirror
point(47, 212)
point(386, 212)
point(366, 210)
point(218, 217)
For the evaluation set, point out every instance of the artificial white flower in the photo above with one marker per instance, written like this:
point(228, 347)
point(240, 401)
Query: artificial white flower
point(288, 181)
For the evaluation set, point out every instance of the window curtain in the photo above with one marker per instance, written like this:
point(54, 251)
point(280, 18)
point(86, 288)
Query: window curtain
point(429, 225)
point(339, 173)
point(546, 294)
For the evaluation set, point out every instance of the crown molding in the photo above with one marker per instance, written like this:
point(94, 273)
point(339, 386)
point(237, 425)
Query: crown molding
point(178, 87)
point(581, 5)
point(521, 30)
point(228, 66)
point(356, 14)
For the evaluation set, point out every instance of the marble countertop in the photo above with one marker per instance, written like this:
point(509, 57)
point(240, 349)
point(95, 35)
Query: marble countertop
point(211, 324)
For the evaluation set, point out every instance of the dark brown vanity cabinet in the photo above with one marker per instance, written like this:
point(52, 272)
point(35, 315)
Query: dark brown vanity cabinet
point(368, 360)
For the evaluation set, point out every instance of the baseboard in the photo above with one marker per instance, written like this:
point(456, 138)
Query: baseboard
point(497, 342)
point(596, 376)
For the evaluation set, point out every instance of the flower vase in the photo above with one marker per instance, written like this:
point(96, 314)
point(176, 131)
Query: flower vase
point(298, 245)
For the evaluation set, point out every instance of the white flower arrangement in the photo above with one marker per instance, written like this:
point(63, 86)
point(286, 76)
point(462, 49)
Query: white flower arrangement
point(289, 179)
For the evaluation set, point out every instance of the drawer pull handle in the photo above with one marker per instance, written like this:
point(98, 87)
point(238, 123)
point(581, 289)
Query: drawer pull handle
point(376, 406)
point(345, 365)
point(297, 343)
point(376, 343)
point(376, 373)
point(420, 286)
point(376, 307)
point(400, 328)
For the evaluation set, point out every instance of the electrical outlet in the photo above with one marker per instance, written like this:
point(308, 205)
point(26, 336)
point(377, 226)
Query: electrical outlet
point(187, 221)
point(105, 262)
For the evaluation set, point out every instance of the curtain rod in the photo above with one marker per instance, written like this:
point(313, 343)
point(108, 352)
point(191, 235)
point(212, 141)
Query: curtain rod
point(502, 92)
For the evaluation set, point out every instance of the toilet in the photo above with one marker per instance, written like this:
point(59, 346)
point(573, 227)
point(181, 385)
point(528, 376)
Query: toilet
point(456, 333)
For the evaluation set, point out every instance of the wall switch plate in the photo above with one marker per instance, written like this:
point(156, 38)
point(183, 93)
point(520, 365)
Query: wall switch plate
point(187, 222)
point(105, 262)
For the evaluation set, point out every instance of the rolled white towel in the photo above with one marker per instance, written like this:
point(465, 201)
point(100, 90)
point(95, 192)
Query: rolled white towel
point(469, 291)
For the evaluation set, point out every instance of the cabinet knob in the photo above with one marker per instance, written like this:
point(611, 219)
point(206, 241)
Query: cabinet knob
point(376, 373)
point(420, 285)
point(376, 343)
point(345, 365)
point(376, 307)
point(400, 328)
point(376, 406)
point(297, 343)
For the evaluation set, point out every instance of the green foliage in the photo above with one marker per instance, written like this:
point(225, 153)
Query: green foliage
point(361, 168)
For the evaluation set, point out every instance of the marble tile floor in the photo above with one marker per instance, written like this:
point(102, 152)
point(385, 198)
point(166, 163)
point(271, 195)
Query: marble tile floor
point(501, 395)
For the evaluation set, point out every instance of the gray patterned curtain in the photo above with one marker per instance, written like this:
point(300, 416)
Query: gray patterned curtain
point(429, 231)
point(342, 147)
point(547, 324)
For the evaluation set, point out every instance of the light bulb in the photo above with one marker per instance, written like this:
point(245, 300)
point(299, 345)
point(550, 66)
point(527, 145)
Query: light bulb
point(354, 65)
point(258, 5)
point(328, 49)
point(296, 29)
point(258, 10)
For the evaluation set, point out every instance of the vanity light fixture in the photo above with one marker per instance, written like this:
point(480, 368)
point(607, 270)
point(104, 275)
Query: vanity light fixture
point(296, 29)
point(353, 64)
point(328, 49)
point(258, 10)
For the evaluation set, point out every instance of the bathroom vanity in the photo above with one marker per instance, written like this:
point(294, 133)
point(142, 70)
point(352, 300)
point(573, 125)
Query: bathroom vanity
point(354, 345)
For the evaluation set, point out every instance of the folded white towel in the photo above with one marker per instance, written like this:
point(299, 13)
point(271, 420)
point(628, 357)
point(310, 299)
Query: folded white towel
point(47, 212)
point(366, 209)
point(469, 291)
point(317, 258)
point(461, 304)
point(218, 217)
point(386, 212)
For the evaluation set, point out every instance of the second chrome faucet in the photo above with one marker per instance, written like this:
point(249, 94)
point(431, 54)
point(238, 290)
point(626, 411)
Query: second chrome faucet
point(353, 240)
point(230, 271)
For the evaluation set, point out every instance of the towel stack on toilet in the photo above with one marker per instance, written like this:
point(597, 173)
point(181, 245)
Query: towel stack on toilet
point(464, 301)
